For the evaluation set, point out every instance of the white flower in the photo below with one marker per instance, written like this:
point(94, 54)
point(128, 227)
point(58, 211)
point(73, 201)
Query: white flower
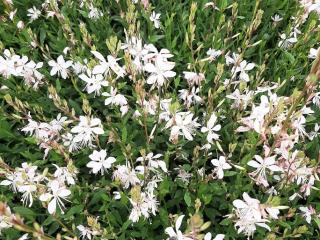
point(307, 213)
point(24, 237)
point(115, 67)
point(316, 99)
point(160, 71)
point(242, 68)
point(8, 64)
point(190, 97)
point(213, 53)
point(60, 66)
point(234, 59)
point(94, 13)
point(100, 162)
point(315, 132)
point(182, 124)
point(103, 67)
point(65, 175)
point(220, 165)
point(33, 13)
point(137, 50)
point(152, 161)
point(27, 190)
point(5, 218)
point(32, 77)
point(138, 209)
point(208, 236)
point(126, 175)
point(211, 128)
point(249, 215)
point(276, 18)
point(240, 100)
point(175, 233)
point(20, 25)
point(261, 165)
point(114, 99)
point(86, 129)
point(58, 193)
point(193, 78)
point(144, 206)
point(117, 195)
point(94, 82)
point(78, 67)
point(155, 18)
point(313, 53)
point(85, 232)
point(183, 175)
point(155, 55)
point(286, 42)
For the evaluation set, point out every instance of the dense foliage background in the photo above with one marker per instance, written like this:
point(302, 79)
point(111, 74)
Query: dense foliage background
point(189, 183)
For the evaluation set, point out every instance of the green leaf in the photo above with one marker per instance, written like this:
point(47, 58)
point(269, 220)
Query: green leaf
point(187, 199)
point(25, 212)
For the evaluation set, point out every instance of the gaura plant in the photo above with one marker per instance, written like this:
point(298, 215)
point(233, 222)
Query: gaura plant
point(138, 119)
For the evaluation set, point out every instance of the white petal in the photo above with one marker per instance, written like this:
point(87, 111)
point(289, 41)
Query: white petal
point(239, 204)
point(52, 206)
point(179, 221)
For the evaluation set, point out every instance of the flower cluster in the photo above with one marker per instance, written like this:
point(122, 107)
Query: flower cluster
point(156, 130)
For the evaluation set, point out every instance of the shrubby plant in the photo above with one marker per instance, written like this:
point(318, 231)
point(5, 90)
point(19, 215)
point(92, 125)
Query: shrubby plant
point(159, 119)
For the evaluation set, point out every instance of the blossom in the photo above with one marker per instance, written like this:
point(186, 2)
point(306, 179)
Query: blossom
point(94, 12)
point(175, 233)
point(33, 13)
point(307, 213)
point(242, 68)
point(261, 165)
point(211, 128)
point(220, 165)
point(160, 71)
point(152, 161)
point(213, 53)
point(190, 97)
point(115, 67)
point(94, 82)
point(8, 64)
point(65, 174)
point(100, 161)
point(155, 18)
point(135, 47)
point(5, 218)
point(103, 67)
point(86, 129)
point(313, 53)
point(87, 232)
point(126, 175)
point(286, 42)
point(114, 99)
point(183, 175)
point(208, 236)
point(106, 65)
point(55, 197)
point(20, 25)
point(276, 18)
point(182, 124)
point(240, 100)
point(193, 78)
point(315, 133)
point(145, 205)
point(249, 215)
point(234, 59)
point(60, 66)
